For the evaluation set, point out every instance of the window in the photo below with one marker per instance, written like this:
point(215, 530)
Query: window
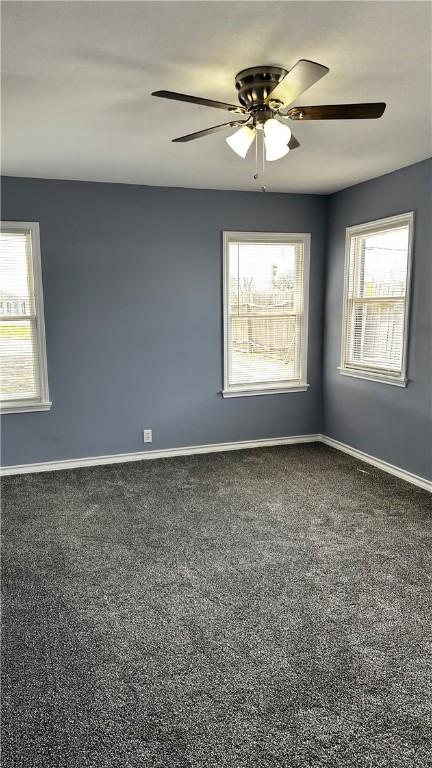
point(375, 314)
point(265, 312)
point(23, 371)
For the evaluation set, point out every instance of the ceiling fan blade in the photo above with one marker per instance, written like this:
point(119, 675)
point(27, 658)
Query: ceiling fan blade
point(198, 100)
point(213, 129)
point(338, 112)
point(293, 143)
point(303, 74)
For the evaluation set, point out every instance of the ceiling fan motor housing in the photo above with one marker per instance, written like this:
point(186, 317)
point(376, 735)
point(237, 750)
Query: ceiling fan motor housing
point(256, 83)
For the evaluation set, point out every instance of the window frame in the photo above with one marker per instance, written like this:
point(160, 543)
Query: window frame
point(260, 388)
point(43, 402)
point(371, 373)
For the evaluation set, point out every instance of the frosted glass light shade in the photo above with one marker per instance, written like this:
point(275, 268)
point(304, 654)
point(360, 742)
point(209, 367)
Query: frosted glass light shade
point(276, 138)
point(276, 154)
point(241, 140)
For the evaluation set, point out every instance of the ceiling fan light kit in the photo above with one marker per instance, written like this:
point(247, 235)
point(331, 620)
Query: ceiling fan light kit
point(265, 93)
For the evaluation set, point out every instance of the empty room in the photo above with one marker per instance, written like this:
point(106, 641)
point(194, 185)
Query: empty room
point(216, 384)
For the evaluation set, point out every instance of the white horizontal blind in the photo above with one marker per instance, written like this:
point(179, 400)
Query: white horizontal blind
point(264, 313)
point(20, 354)
point(376, 298)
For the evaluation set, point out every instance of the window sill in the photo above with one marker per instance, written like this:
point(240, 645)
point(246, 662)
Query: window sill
point(252, 392)
point(24, 407)
point(379, 378)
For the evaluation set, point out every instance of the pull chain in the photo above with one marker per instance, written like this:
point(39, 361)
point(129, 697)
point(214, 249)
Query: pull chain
point(259, 138)
point(256, 157)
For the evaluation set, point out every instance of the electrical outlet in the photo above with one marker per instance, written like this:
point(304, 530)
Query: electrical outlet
point(147, 436)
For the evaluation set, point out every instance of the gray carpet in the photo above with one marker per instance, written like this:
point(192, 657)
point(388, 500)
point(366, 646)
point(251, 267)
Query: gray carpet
point(250, 609)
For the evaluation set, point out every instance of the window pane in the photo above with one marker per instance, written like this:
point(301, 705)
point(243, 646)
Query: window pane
point(18, 360)
point(264, 349)
point(263, 277)
point(16, 289)
point(376, 334)
point(383, 262)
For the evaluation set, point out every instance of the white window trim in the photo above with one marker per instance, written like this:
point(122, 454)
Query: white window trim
point(277, 387)
point(43, 402)
point(369, 373)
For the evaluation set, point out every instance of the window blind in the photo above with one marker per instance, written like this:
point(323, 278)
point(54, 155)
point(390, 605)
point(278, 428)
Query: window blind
point(21, 357)
point(376, 298)
point(265, 298)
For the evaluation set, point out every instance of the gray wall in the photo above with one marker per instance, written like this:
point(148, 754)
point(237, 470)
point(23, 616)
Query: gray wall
point(385, 421)
point(132, 286)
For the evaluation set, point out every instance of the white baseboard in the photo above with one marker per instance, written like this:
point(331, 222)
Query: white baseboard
point(409, 477)
point(121, 458)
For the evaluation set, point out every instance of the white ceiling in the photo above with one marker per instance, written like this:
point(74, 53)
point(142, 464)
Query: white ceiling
point(77, 79)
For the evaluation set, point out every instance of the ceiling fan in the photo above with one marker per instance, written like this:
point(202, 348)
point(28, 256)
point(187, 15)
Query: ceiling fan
point(265, 93)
